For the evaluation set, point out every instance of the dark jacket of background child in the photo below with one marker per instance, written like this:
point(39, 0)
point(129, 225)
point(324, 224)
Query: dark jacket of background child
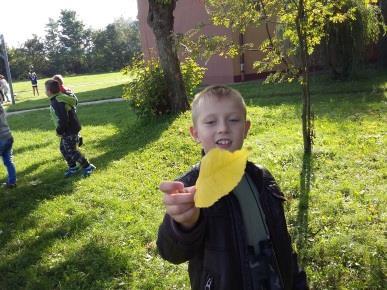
point(64, 114)
point(5, 132)
point(216, 247)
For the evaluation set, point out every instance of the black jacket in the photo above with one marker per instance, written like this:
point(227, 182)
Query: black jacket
point(64, 114)
point(216, 247)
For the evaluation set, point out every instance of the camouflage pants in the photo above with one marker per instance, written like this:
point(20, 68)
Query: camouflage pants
point(69, 149)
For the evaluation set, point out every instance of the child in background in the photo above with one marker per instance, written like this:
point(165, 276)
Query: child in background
point(34, 81)
point(241, 241)
point(4, 89)
point(69, 92)
point(6, 142)
point(67, 127)
point(63, 89)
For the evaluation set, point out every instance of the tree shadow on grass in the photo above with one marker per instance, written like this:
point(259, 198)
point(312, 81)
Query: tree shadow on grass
point(330, 99)
point(377, 276)
point(17, 204)
point(100, 94)
point(132, 133)
point(336, 107)
point(18, 271)
point(303, 205)
point(29, 148)
point(33, 167)
point(87, 96)
point(92, 267)
point(368, 82)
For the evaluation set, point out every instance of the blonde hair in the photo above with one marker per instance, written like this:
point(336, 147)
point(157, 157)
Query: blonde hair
point(58, 78)
point(215, 91)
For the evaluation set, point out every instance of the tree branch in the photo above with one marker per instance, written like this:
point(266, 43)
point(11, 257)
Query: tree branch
point(270, 37)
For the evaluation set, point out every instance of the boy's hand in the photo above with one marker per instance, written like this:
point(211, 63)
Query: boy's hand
point(179, 203)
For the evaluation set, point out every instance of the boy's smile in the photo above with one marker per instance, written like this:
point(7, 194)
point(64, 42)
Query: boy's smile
point(221, 123)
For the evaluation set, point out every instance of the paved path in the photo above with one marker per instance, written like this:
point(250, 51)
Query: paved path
point(79, 104)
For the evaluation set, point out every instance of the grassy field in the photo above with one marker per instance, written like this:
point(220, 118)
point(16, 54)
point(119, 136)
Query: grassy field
point(86, 87)
point(99, 233)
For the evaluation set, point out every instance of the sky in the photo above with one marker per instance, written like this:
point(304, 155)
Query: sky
point(20, 19)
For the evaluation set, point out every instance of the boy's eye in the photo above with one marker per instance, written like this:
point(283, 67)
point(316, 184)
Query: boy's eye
point(234, 120)
point(209, 122)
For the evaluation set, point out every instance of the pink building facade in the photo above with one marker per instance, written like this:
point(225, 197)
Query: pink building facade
point(190, 13)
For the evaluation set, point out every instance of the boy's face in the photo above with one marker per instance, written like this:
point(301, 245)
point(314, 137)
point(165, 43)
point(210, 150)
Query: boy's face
point(220, 123)
point(48, 92)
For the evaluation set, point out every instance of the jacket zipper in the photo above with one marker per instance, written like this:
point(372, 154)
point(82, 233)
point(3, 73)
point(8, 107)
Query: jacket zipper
point(237, 240)
point(262, 188)
point(208, 283)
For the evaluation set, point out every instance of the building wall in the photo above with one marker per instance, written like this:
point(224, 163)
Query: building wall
point(254, 35)
point(188, 14)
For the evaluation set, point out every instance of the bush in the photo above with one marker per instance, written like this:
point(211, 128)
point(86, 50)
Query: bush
point(192, 76)
point(147, 92)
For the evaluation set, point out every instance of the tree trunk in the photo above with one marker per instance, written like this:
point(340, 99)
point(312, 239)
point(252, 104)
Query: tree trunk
point(160, 19)
point(307, 126)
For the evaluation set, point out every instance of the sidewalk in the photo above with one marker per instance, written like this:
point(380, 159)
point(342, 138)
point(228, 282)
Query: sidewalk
point(79, 104)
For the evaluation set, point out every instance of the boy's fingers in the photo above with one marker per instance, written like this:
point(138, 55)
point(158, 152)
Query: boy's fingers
point(178, 198)
point(171, 186)
point(191, 189)
point(176, 210)
point(185, 216)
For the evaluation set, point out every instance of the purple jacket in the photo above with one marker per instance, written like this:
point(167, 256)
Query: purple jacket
point(216, 247)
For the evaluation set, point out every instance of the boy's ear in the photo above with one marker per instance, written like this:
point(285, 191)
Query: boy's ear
point(247, 127)
point(194, 133)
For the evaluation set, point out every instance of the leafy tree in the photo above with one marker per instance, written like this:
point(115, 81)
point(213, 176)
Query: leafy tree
point(34, 53)
point(31, 53)
point(146, 89)
point(53, 47)
point(74, 41)
point(18, 63)
point(67, 43)
point(347, 44)
point(300, 26)
point(383, 42)
point(69, 47)
point(115, 46)
point(161, 20)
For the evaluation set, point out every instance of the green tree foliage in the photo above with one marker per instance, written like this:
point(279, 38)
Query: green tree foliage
point(347, 43)
point(300, 27)
point(115, 46)
point(72, 42)
point(18, 63)
point(30, 54)
point(383, 42)
point(34, 51)
point(69, 47)
point(147, 91)
point(52, 47)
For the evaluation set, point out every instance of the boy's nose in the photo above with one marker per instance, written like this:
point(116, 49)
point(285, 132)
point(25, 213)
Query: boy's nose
point(223, 127)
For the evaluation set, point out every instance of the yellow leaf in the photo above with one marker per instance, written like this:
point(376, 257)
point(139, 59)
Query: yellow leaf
point(220, 173)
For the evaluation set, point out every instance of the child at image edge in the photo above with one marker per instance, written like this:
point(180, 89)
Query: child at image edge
point(240, 242)
point(6, 142)
point(68, 127)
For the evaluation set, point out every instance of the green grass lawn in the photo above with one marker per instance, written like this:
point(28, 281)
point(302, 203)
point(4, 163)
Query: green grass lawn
point(99, 233)
point(86, 87)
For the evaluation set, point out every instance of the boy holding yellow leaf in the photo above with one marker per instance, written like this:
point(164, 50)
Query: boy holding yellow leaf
point(225, 216)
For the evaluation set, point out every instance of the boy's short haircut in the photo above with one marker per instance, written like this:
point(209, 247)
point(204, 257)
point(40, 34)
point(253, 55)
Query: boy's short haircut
point(219, 92)
point(58, 78)
point(52, 86)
